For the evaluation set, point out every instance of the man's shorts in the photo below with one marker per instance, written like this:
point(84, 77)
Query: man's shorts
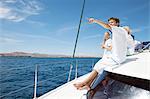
point(102, 63)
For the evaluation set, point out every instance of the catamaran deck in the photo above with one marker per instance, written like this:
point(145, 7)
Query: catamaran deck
point(66, 91)
point(136, 66)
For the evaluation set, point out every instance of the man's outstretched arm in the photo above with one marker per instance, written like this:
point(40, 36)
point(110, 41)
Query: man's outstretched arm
point(104, 25)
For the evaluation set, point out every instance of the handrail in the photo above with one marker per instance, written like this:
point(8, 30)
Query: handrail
point(16, 91)
point(30, 85)
point(35, 78)
point(146, 46)
point(52, 78)
point(15, 68)
point(56, 63)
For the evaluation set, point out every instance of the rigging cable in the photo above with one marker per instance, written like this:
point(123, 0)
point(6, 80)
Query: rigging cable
point(76, 42)
point(78, 29)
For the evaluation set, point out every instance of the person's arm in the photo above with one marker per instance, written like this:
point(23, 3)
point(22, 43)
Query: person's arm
point(107, 48)
point(127, 28)
point(104, 25)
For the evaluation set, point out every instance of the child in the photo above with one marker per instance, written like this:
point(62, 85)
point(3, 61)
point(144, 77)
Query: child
point(107, 45)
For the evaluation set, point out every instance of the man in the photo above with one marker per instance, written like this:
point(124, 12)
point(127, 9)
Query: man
point(119, 49)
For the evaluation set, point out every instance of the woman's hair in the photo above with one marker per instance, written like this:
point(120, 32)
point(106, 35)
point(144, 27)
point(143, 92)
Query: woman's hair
point(116, 19)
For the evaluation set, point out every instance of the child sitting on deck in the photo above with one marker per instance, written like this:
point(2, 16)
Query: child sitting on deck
point(107, 46)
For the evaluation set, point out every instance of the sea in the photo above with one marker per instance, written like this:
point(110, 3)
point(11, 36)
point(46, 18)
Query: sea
point(17, 74)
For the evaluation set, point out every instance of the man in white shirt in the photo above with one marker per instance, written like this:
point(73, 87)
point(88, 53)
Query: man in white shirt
point(119, 49)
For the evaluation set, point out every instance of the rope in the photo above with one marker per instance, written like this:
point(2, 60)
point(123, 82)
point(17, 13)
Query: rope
point(74, 51)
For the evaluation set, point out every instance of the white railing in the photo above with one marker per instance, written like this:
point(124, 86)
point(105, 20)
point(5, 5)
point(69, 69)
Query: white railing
point(70, 71)
point(36, 82)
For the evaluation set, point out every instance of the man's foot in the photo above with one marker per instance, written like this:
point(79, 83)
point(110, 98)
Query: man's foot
point(81, 86)
point(77, 85)
point(86, 87)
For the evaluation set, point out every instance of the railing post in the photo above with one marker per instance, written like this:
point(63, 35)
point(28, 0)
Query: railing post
point(35, 81)
point(92, 63)
point(76, 73)
point(70, 72)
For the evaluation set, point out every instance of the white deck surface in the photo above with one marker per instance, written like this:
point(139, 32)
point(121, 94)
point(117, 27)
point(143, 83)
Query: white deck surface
point(136, 66)
point(66, 91)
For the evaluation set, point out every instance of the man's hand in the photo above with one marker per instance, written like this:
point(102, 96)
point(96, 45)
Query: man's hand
point(104, 25)
point(91, 20)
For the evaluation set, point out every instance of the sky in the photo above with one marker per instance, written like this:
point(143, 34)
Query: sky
point(50, 26)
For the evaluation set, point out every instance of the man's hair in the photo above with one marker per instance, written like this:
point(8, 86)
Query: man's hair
point(116, 19)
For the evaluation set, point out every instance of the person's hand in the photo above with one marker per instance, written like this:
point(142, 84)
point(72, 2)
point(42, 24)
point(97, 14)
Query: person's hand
point(91, 20)
point(102, 46)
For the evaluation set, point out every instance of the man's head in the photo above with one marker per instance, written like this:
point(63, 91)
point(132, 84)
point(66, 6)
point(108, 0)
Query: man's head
point(113, 21)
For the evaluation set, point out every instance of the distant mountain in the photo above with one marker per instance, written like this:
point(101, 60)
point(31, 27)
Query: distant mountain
point(24, 54)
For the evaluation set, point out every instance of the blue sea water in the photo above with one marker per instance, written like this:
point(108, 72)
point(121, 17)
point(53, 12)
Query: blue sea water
point(17, 74)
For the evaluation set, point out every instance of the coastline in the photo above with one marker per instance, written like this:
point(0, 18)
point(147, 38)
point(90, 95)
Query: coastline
point(38, 55)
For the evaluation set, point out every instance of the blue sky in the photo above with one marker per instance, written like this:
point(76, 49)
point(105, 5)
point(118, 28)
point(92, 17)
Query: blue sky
point(50, 26)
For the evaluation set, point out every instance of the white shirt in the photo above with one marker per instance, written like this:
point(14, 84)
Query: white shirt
point(119, 44)
point(107, 53)
point(130, 45)
point(136, 42)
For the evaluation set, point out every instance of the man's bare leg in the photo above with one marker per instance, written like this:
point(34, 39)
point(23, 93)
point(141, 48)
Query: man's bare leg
point(87, 82)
